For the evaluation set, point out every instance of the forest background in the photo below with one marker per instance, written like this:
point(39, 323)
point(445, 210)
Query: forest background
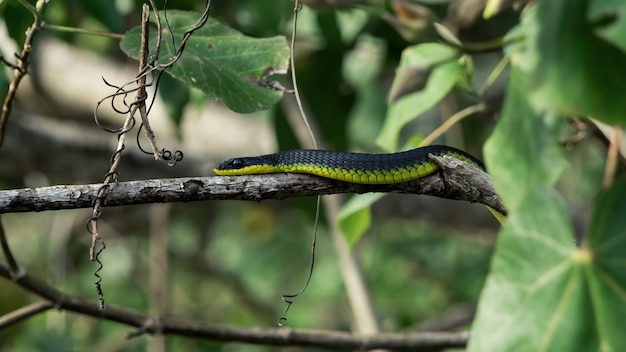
point(533, 89)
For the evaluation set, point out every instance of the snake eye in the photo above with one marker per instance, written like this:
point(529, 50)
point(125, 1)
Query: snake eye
point(237, 164)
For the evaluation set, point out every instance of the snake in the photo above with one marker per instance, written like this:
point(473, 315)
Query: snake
point(363, 168)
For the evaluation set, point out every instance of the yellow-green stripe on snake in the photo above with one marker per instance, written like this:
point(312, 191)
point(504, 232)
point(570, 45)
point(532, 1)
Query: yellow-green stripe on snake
point(348, 167)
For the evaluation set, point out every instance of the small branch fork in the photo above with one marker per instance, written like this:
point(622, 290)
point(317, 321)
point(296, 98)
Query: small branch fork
point(145, 324)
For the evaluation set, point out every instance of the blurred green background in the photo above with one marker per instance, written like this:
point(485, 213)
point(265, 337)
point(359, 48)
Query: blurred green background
point(424, 259)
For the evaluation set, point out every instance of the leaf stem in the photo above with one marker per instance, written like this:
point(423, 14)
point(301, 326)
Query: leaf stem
point(611, 159)
point(486, 46)
point(494, 75)
point(54, 27)
point(451, 122)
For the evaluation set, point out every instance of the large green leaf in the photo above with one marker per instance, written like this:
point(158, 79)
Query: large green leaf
point(436, 61)
point(606, 269)
point(523, 152)
point(572, 70)
point(546, 294)
point(220, 61)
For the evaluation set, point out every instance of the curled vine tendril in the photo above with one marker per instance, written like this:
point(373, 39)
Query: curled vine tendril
point(149, 76)
point(99, 278)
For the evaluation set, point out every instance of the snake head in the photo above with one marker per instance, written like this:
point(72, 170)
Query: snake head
point(231, 164)
point(246, 166)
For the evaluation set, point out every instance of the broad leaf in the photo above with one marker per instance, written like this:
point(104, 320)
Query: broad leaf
point(546, 294)
point(439, 66)
point(220, 61)
point(606, 266)
point(523, 152)
point(572, 70)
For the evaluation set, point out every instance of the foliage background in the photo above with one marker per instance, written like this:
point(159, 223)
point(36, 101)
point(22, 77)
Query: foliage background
point(426, 260)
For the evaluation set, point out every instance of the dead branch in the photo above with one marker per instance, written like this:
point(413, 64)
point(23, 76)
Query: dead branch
point(456, 180)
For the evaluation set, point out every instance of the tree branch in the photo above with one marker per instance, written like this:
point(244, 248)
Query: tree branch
point(224, 333)
point(24, 313)
point(21, 67)
point(456, 180)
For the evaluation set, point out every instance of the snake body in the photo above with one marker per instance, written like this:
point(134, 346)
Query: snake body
point(345, 166)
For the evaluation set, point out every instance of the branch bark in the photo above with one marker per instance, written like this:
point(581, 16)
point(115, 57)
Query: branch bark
point(456, 180)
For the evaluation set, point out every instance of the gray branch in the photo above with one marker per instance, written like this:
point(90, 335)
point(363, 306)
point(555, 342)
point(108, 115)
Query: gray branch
point(456, 180)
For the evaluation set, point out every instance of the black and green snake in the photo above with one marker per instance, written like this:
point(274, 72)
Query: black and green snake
point(347, 167)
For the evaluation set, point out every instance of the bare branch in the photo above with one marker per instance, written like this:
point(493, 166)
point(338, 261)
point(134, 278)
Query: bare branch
point(224, 333)
point(21, 68)
point(456, 181)
point(4, 244)
point(24, 313)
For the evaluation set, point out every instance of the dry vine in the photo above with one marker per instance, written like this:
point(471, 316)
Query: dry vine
point(147, 67)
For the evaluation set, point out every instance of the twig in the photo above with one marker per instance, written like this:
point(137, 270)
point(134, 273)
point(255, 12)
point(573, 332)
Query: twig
point(361, 304)
point(105, 188)
point(496, 44)
point(144, 51)
point(7, 251)
point(181, 48)
point(24, 313)
point(602, 132)
point(497, 71)
point(251, 187)
point(292, 67)
point(158, 268)
point(451, 122)
point(139, 104)
point(21, 69)
point(225, 333)
point(54, 27)
point(611, 159)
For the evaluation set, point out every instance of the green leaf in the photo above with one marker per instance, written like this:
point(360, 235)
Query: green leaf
point(220, 61)
point(572, 70)
point(523, 299)
point(609, 17)
point(175, 95)
point(443, 72)
point(355, 216)
point(607, 270)
point(546, 294)
point(523, 151)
